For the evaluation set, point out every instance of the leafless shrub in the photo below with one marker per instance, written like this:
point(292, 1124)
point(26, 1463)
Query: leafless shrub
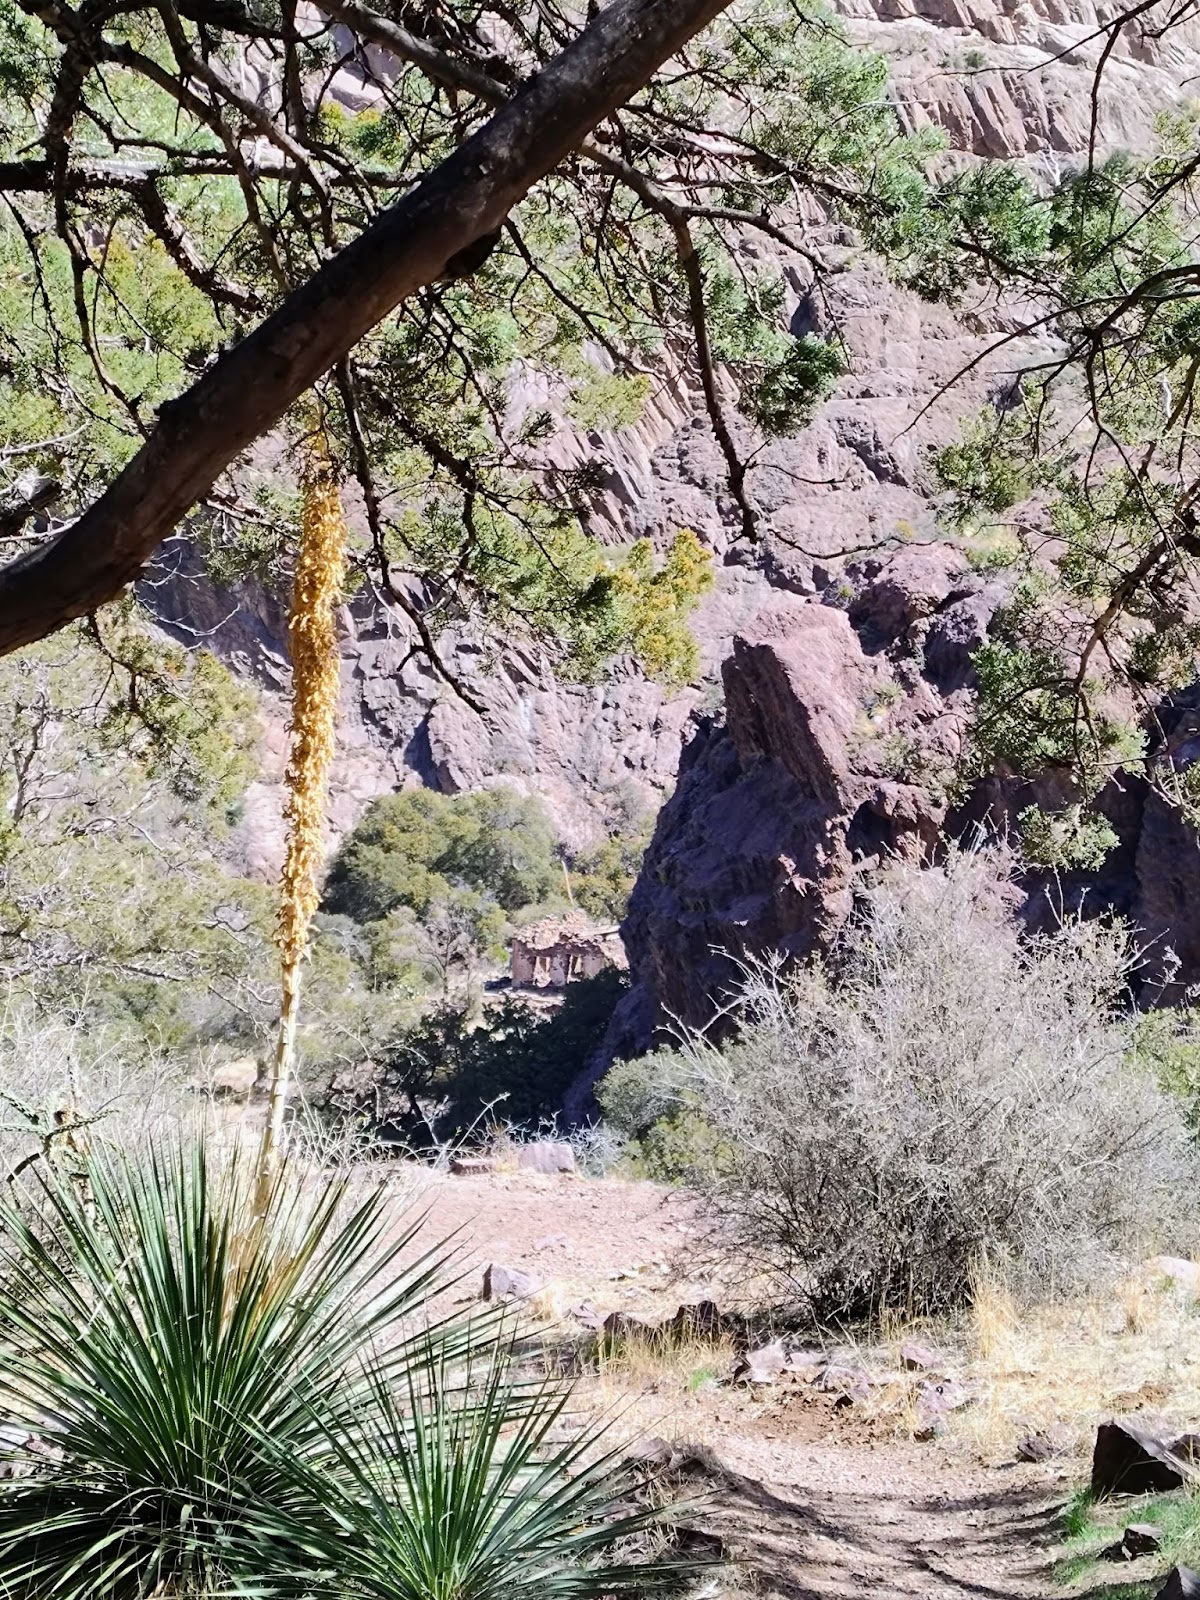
point(64, 1088)
point(943, 1089)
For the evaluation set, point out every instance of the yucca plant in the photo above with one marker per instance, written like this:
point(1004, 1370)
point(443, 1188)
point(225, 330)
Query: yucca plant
point(217, 1398)
point(472, 1486)
point(170, 1347)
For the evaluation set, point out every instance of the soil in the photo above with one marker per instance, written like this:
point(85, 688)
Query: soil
point(808, 1495)
point(621, 1245)
point(828, 1519)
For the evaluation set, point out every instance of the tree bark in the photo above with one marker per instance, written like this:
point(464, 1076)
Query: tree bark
point(249, 389)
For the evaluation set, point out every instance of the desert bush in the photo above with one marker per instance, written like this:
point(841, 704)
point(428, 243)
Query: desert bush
point(1168, 1042)
point(63, 1085)
point(941, 1088)
point(204, 1399)
point(411, 849)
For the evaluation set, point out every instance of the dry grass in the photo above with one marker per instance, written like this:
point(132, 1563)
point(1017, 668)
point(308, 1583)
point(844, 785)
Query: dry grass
point(662, 1363)
point(1060, 1367)
point(1130, 1345)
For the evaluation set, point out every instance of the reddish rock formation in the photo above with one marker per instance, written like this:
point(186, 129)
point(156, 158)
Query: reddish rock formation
point(845, 713)
point(836, 731)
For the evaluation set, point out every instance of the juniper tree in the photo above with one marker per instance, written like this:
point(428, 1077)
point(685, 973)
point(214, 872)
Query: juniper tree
point(1084, 479)
point(211, 206)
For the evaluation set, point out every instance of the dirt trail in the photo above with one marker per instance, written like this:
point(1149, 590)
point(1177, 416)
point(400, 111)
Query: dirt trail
point(824, 1521)
point(812, 1501)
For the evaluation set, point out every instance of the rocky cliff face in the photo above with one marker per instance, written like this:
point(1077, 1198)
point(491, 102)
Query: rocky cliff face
point(845, 714)
point(845, 697)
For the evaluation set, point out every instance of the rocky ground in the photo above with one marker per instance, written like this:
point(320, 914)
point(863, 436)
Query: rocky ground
point(891, 1466)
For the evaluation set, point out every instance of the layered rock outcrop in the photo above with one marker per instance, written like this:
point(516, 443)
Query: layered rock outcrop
point(845, 713)
point(845, 717)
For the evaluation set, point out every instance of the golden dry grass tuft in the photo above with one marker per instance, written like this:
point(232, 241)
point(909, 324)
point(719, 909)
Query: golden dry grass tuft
point(663, 1362)
point(1129, 1345)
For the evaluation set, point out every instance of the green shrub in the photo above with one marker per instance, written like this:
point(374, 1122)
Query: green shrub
point(436, 881)
point(202, 1400)
point(651, 1102)
point(1168, 1044)
point(602, 877)
point(412, 848)
point(636, 1095)
point(684, 1142)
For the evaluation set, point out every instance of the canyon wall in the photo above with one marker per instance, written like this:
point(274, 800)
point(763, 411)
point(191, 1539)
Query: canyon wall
point(845, 692)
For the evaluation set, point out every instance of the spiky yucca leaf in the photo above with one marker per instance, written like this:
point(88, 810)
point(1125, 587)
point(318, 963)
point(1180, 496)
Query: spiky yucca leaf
point(458, 1489)
point(173, 1361)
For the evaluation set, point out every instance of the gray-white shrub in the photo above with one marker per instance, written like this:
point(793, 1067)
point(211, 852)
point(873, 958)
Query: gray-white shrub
point(941, 1090)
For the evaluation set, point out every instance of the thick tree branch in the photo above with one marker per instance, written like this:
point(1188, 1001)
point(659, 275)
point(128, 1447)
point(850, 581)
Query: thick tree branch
point(407, 247)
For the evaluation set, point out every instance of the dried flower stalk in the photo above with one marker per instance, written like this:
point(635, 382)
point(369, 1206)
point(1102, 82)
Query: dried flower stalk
point(312, 632)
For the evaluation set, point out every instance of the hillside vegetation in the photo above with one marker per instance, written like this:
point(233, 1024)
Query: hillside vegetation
point(368, 313)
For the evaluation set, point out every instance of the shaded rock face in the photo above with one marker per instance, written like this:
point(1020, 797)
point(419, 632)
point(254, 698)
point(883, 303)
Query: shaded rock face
point(597, 754)
point(845, 716)
point(843, 711)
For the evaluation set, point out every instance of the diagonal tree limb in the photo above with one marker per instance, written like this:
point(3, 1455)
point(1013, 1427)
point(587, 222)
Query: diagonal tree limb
point(407, 247)
point(447, 70)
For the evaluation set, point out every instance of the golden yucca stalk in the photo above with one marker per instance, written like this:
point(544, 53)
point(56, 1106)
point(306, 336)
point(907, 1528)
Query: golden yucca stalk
point(312, 631)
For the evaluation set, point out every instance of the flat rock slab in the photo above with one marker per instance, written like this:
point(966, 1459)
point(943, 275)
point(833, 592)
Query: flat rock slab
point(763, 1365)
point(918, 1357)
point(509, 1283)
point(473, 1166)
point(1044, 1445)
point(549, 1157)
point(1139, 1539)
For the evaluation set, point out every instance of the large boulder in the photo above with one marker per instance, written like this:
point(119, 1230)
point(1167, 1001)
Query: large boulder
point(1182, 1584)
point(845, 714)
point(831, 758)
point(1131, 1458)
point(550, 1157)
